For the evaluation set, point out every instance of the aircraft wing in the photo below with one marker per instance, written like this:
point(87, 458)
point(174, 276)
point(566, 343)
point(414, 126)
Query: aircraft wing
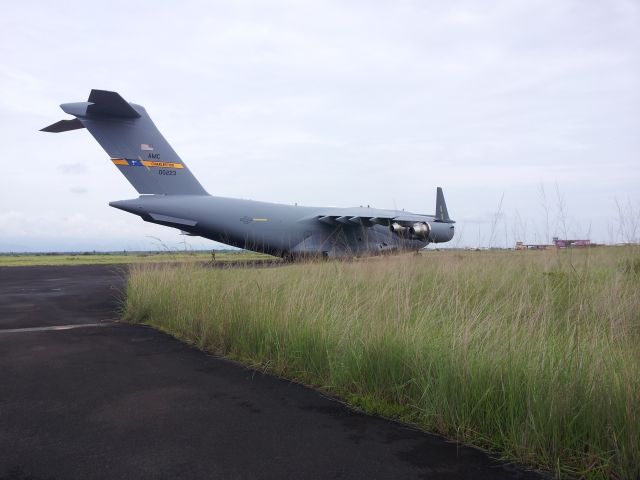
point(368, 217)
point(369, 220)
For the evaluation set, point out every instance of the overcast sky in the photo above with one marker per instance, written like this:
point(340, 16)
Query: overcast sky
point(330, 103)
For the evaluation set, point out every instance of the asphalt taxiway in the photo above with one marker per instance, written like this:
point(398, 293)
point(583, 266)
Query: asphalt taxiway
point(83, 396)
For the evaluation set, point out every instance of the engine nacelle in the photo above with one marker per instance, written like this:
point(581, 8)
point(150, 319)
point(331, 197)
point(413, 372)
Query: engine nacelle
point(399, 229)
point(417, 231)
point(420, 231)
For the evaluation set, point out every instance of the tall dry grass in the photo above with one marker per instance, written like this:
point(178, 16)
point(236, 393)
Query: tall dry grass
point(535, 355)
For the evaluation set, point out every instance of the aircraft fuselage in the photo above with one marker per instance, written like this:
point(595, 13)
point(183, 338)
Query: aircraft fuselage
point(277, 229)
point(171, 195)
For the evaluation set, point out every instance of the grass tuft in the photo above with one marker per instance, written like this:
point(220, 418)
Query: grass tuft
point(535, 355)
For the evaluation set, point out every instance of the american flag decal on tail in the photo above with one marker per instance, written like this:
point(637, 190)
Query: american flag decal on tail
point(146, 147)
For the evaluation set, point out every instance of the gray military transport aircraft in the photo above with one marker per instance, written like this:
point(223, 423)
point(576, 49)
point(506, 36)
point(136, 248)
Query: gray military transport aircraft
point(170, 195)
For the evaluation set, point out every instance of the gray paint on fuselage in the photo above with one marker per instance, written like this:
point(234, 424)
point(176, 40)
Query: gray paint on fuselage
point(278, 228)
point(172, 196)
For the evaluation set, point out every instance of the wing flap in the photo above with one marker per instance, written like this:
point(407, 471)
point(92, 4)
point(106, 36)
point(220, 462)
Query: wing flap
point(350, 220)
point(366, 221)
point(380, 221)
point(327, 219)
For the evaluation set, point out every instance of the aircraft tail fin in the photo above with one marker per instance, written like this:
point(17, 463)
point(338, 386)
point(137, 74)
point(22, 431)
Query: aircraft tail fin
point(125, 131)
point(442, 214)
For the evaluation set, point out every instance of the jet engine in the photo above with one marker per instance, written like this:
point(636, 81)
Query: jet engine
point(420, 231)
point(399, 229)
point(417, 231)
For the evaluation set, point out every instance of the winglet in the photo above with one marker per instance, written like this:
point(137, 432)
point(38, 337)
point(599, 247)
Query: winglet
point(442, 214)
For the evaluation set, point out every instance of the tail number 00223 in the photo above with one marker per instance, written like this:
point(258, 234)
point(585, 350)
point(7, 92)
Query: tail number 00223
point(166, 172)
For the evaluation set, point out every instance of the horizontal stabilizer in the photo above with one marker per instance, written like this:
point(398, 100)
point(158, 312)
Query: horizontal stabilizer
point(110, 104)
point(63, 126)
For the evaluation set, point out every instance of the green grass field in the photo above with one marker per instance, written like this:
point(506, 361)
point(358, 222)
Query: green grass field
point(534, 355)
point(23, 260)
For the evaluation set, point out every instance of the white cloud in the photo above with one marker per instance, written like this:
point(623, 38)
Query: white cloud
point(329, 103)
point(73, 168)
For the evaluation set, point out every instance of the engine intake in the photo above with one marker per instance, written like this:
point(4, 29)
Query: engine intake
point(420, 231)
point(399, 229)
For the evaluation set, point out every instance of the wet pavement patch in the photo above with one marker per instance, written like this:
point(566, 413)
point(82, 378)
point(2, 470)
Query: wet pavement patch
point(126, 401)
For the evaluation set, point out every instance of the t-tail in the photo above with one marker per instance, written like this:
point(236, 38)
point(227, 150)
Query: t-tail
point(125, 131)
